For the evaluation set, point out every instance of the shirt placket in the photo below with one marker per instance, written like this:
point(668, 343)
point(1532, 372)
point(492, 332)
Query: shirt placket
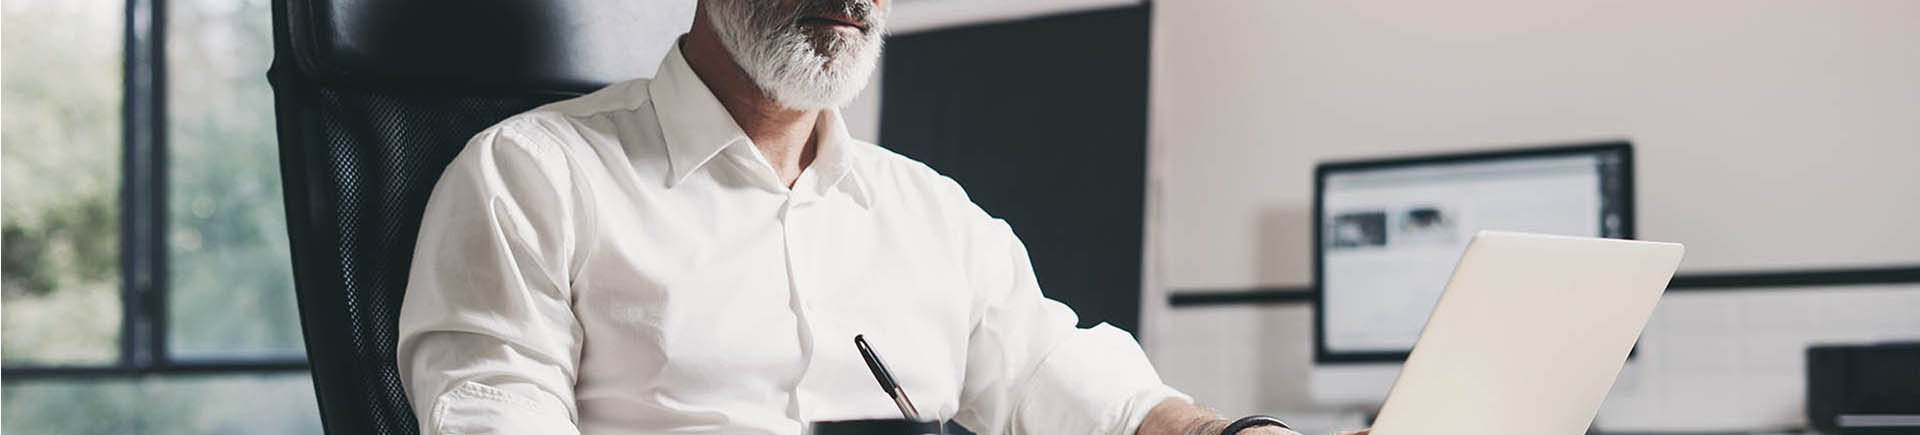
point(799, 226)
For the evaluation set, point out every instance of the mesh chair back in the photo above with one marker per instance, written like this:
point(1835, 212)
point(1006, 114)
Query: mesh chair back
point(373, 99)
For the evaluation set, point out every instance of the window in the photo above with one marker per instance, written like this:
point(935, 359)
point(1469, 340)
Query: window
point(60, 147)
point(147, 284)
point(226, 226)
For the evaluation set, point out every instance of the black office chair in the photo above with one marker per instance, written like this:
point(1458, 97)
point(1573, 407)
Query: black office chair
point(373, 98)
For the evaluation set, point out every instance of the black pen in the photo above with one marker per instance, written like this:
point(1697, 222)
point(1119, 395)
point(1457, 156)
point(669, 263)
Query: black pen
point(880, 373)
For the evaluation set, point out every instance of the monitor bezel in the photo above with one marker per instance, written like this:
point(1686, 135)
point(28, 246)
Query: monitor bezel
point(1321, 353)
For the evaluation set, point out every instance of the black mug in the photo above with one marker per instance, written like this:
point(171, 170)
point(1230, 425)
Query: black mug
point(879, 426)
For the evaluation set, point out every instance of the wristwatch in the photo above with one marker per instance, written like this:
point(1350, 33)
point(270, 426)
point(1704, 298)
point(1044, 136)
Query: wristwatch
point(1253, 421)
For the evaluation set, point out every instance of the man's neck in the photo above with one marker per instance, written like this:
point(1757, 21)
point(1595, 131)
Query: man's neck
point(784, 136)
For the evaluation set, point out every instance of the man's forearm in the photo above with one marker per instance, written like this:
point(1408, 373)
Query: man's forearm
point(1177, 417)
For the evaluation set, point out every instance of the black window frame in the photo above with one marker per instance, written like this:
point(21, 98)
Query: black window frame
point(143, 223)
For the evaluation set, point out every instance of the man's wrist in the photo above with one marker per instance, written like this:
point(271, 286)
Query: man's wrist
point(1257, 424)
point(1180, 417)
point(1211, 426)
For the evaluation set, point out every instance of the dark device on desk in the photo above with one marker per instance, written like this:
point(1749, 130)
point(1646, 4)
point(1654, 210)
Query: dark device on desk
point(1864, 388)
point(884, 426)
point(910, 425)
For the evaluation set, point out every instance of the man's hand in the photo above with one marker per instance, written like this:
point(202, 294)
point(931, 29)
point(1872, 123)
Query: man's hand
point(1177, 417)
point(1263, 430)
point(1279, 431)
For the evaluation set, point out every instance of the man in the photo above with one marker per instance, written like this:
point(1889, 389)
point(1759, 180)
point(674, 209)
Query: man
point(695, 253)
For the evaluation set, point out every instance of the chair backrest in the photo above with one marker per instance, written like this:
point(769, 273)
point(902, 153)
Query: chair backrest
point(373, 98)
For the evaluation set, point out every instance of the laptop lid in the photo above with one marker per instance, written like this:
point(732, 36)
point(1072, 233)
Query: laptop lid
point(1528, 335)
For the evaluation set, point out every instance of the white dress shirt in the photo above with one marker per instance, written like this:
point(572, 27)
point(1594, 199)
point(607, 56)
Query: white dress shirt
point(627, 262)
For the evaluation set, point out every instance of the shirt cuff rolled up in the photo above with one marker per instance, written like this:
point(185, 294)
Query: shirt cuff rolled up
point(1097, 381)
point(474, 408)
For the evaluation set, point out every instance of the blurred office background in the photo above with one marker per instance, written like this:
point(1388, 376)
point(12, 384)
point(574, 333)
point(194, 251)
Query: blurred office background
point(1773, 138)
point(1157, 157)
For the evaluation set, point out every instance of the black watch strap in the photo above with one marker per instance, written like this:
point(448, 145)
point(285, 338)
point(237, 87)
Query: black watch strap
point(1252, 421)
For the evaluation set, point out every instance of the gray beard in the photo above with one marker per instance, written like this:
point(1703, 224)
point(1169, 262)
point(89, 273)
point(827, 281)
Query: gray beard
point(782, 60)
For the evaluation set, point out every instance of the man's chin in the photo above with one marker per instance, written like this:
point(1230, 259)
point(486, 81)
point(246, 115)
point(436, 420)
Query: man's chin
point(839, 63)
point(818, 32)
point(822, 94)
point(835, 46)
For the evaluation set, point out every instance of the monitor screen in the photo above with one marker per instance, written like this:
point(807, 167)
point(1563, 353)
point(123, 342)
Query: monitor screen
point(1390, 231)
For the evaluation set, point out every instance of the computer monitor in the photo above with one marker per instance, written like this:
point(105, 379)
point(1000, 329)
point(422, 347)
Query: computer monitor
point(1388, 232)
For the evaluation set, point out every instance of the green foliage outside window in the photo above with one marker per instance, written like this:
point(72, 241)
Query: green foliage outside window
point(60, 147)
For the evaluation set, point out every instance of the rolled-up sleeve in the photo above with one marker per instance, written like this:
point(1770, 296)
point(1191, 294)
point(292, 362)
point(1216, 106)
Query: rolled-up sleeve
point(1030, 370)
point(488, 342)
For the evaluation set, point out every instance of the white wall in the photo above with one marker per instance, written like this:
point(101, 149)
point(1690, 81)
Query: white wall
point(923, 15)
point(1769, 134)
point(1734, 105)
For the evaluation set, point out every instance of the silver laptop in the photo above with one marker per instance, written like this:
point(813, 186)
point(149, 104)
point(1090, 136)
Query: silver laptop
point(1528, 336)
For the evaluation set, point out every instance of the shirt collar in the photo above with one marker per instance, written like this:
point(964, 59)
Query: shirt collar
point(694, 124)
point(838, 155)
point(697, 128)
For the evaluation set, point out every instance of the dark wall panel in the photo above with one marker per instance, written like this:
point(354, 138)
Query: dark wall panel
point(1044, 122)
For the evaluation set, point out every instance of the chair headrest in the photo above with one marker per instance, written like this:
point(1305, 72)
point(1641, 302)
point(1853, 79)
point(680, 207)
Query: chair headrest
point(564, 45)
